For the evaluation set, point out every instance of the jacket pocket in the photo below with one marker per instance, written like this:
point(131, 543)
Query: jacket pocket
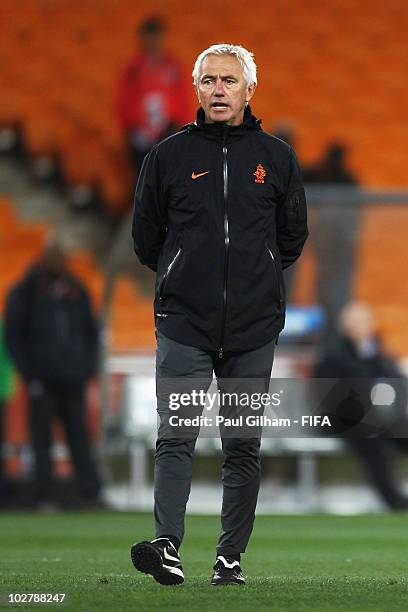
point(278, 275)
point(297, 207)
point(166, 276)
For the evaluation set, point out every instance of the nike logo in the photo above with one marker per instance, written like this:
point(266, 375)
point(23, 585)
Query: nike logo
point(196, 176)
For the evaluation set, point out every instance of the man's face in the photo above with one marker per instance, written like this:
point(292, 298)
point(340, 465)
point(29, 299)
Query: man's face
point(358, 322)
point(222, 89)
point(54, 260)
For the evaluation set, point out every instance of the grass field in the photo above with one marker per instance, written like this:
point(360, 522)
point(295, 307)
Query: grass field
point(293, 563)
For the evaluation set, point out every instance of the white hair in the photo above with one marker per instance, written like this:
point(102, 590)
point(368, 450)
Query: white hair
point(245, 58)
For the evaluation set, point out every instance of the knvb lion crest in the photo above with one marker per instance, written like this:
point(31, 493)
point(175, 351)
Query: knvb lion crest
point(260, 174)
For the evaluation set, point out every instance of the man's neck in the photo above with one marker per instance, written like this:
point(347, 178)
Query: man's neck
point(235, 123)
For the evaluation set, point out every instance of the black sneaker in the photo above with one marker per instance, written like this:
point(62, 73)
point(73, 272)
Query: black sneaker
point(227, 571)
point(160, 559)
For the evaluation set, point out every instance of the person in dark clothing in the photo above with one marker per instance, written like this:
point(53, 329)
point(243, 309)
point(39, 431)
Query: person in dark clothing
point(358, 357)
point(52, 336)
point(331, 169)
point(334, 232)
point(219, 211)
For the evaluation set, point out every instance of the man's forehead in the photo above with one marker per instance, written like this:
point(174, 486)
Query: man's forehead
point(221, 64)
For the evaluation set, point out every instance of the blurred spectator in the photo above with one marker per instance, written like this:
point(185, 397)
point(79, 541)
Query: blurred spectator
point(153, 98)
point(334, 229)
point(358, 355)
point(284, 130)
point(52, 336)
point(332, 168)
point(6, 390)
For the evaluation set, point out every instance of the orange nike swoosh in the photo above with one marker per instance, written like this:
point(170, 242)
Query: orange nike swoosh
point(195, 176)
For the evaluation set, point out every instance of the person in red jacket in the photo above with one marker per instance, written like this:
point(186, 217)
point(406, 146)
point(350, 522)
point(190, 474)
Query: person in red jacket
point(153, 98)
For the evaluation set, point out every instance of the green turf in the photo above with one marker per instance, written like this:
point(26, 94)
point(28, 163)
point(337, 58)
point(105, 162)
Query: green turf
point(293, 563)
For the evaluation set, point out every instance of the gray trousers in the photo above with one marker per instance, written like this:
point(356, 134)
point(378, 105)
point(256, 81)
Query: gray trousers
point(174, 455)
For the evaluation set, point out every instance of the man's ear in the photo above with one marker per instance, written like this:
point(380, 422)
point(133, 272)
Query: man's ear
point(197, 94)
point(250, 91)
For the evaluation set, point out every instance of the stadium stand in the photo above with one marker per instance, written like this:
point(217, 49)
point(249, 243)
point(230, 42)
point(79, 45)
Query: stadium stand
point(63, 97)
point(379, 275)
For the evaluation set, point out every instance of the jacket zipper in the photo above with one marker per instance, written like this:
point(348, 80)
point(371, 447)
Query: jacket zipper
point(164, 279)
point(62, 326)
point(226, 244)
point(281, 300)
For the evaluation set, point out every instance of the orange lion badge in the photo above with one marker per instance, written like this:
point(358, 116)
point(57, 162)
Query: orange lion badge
point(260, 174)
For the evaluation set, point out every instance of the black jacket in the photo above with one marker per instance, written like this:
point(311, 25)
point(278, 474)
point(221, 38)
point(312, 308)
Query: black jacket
point(347, 397)
point(50, 331)
point(343, 361)
point(219, 211)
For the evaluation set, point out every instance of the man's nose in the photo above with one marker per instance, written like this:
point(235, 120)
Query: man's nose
point(219, 88)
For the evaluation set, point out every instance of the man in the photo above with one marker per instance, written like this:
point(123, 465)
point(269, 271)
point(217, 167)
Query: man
point(358, 358)
point(52, 336)
point(219, 212)
point(152, 98)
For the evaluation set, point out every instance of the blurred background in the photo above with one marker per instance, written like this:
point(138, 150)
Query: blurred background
point(86, 89)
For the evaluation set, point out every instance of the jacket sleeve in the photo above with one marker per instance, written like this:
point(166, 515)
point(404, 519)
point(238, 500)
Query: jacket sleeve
point(291, 216)
point(16, 331)
point(92, 334)
point(150, 212)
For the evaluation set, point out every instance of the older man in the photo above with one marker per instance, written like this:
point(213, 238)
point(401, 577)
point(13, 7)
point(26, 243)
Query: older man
point(357, 358)
point(219, 211)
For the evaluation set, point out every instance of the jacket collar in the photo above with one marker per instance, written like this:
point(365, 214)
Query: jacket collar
point(221, 131)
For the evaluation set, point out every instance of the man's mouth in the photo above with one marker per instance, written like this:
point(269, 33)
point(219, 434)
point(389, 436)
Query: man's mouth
point(219, 106)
